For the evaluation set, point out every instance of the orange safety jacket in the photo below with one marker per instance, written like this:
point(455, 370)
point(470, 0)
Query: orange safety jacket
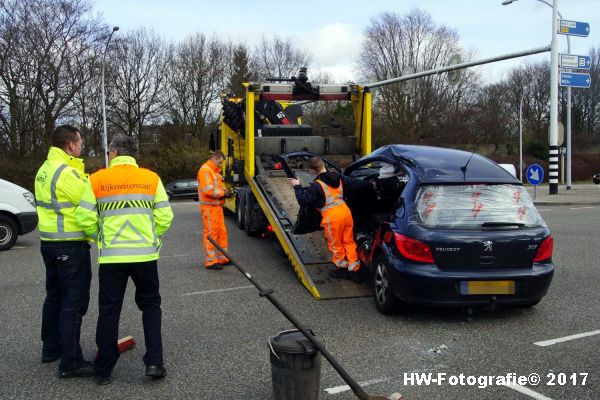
point(211, 191)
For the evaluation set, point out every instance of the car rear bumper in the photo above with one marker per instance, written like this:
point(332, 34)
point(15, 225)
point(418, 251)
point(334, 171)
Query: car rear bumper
point(429, 285)
point(27, 222)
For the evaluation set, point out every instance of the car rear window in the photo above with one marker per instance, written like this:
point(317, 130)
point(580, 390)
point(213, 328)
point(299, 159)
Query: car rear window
point(472, 206)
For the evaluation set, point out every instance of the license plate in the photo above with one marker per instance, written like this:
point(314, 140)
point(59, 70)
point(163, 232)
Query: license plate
point(487, 287)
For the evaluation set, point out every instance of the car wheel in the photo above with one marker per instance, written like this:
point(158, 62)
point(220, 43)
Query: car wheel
point(239, 210)
point(385, 300)
point(8, 232)
point(597, 180)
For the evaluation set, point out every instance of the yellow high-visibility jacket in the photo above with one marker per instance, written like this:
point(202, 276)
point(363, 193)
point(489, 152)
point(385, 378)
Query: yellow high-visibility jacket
point(126, 209)
point(59, 185)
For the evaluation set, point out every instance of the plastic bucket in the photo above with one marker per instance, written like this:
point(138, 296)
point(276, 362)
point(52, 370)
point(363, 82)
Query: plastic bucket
point(295, 366)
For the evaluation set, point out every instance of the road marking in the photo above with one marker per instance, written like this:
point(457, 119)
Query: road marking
point(580, 208)
point(345, 388)
point(528, 392)
point(217, 290)
point(566, 338)
point(19, 247)
point(175, 255)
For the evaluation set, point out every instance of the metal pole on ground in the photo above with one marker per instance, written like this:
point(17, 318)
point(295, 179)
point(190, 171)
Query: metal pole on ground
point(268, 293)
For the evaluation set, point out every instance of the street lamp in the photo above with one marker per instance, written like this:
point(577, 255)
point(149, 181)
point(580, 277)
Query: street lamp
point(521, 137)
point(507, 2)
point(104, 136)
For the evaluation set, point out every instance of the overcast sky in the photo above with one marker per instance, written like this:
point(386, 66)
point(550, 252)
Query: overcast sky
point(332, 30)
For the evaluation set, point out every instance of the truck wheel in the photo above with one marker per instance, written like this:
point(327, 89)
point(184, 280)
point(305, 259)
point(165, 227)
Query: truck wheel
point(240, 210)
point(249, 214)
point(8, 232)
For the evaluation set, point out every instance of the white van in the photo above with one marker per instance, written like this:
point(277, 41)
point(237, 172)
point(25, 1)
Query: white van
point(18, 215)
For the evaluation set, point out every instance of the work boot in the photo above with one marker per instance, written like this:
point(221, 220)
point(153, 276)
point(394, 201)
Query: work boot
point(339, 273)
point(215, 267)
point(84, 371)
point(48, 358)
point(156, 371)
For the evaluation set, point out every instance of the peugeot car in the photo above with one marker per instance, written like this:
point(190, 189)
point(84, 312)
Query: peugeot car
point(448, 228)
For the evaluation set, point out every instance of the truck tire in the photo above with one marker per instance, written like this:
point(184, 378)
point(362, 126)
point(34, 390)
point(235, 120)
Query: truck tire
point(8, 232)
point(250, 214)
point(240, 210)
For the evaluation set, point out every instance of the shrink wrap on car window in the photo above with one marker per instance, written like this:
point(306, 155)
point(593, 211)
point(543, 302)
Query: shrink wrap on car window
point(470, 206)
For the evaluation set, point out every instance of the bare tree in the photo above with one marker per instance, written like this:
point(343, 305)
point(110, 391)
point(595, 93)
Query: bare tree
point(279, 58)
point(197, 77)
point(393, 43)
point(138, 74)
point(47, 47)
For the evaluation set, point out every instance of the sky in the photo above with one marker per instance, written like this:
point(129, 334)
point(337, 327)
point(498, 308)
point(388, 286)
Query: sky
point(332, 30)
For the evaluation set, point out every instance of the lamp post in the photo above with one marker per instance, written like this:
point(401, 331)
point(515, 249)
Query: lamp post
point(104, 136)
point(568, 133)
point(521, 137)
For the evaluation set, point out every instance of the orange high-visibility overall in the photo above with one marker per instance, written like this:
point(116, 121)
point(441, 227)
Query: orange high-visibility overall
point(211, 193)
point(338, 226)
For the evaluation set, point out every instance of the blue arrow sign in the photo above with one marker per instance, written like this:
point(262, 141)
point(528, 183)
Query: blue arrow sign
point(573, 28)
point(534, 174)
point(574, 79)
point(575, 62)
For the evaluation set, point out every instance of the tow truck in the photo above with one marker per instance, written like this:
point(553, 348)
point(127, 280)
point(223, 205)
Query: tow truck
point(254, 132)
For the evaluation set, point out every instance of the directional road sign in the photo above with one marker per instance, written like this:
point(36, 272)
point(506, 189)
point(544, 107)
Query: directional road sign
point(574, 79)
point(534, 174)
point(575, 61)
point(573, 28)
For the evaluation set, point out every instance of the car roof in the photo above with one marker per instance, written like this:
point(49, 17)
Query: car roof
point(444, 165)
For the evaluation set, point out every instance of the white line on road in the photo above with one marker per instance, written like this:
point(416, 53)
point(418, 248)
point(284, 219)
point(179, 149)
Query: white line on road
point(528, 392)
point(175, 255)
point(566, 338)
point(19, 247)
point(580, 208)
point(217, 290)
point(344, 388)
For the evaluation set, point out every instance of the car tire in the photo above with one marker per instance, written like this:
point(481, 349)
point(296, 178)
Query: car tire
point(383, 294)
point(240, 210)
point(597, 180)
point(8, 232)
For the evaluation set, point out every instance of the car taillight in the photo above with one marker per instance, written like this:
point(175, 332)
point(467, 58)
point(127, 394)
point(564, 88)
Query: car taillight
point(544, 251)
point(413, 249)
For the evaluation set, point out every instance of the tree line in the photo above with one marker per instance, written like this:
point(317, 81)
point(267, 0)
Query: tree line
point(162, 92)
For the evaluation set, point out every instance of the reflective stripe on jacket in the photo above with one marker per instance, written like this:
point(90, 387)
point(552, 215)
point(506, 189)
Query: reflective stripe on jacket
point(59, 185)
point(334, 197)
point(211, 191)
point(126, 209)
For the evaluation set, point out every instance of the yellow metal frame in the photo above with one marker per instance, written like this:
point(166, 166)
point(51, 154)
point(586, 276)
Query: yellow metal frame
point(361, 105)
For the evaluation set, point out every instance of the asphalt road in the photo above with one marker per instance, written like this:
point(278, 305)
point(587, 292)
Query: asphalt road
point(215, 327)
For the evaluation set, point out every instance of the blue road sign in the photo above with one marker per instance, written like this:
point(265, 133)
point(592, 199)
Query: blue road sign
point(573, 28)
point(575, 61)
point(574, 79)
point(534, 174)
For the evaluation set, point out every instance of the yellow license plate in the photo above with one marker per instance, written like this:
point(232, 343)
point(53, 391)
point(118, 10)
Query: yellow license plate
point(487, 287)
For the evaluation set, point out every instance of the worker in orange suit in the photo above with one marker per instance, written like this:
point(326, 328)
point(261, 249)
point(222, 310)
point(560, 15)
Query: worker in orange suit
point(326, 193)
point(212, 194)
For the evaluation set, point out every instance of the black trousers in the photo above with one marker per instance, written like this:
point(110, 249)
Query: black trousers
point(68, 277)
point(113, 282)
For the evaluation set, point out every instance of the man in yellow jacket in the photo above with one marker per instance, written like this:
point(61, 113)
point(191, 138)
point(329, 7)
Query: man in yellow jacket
point(212, 194)
point(59, 185)
point(126, 209)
